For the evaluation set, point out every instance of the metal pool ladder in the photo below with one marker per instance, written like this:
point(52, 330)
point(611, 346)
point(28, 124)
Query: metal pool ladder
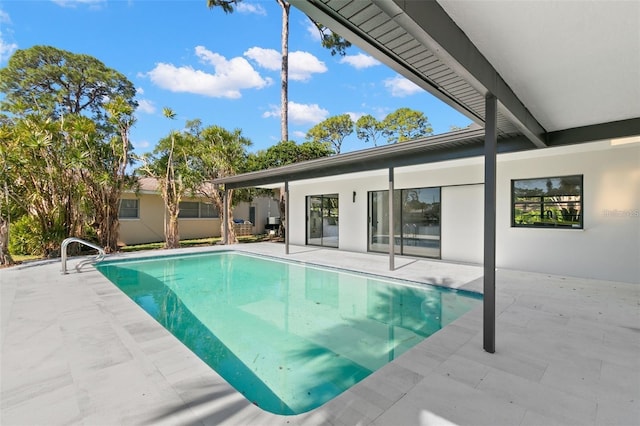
point(63, 250)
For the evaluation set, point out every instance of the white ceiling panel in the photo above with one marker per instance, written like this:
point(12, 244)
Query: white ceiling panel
point(572, 63)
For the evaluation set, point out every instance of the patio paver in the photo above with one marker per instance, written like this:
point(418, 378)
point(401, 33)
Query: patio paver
point(75, 350)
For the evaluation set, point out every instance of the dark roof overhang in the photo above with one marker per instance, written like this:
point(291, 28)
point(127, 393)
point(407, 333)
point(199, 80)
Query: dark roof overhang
point(420, 41)
point(448, 146)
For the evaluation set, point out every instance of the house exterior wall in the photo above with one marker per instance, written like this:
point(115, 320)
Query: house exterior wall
point(462, 220)
point(149, 226)
point(608, 247)
point(265, 206)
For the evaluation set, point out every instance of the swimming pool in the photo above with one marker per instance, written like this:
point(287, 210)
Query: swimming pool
point(288, 336)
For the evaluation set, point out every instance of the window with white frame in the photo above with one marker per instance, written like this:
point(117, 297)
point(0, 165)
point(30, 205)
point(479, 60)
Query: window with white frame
point(129, 209)
point(194, 209)
point(208, 210)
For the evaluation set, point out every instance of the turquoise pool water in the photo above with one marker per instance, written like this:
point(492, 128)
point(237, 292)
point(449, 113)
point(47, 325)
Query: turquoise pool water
point(288, 336)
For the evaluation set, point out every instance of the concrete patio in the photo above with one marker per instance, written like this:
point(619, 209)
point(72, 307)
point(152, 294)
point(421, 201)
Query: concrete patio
point(75, 350)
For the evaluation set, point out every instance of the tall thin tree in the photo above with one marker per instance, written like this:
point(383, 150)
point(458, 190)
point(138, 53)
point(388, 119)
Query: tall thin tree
point(330, 40)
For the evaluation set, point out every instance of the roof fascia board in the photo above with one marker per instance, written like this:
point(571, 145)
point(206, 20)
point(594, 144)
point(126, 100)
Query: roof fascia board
point(328, 167)
point(368, 154)
point(428, 23)
point(319, 12)
point(594, 132)
point(429, 150)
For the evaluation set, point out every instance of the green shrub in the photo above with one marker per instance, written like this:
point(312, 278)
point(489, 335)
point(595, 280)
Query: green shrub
point(25, 237)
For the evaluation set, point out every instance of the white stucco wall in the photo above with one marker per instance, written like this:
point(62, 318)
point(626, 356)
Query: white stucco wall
point(353, 219)
point(607, 248)
point(462, 218)
point(609, 245)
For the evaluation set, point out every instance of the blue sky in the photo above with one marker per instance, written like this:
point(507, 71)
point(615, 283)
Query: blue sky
point(222, 69)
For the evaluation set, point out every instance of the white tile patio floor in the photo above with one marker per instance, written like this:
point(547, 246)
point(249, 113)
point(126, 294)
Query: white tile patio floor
point(75, 350)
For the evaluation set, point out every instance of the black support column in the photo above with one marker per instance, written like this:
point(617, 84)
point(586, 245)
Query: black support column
point(392, 237)
point(286, 217)
point(490, 151)
point(225, 225)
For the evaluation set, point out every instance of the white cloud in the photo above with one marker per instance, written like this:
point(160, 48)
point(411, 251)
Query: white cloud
point(146, 106)
point(313, 30)
point(255, 8)
point(6, 48)
point(302, 65)
point(355, 115)
point(299, 134)
point(306, 113)
point(360, 61)
point(74, 3)
point(139, 91)
point(266, 58)
point(142, 144)
point(400, 87)
point(300, 113)
point(230, 76)
point(274, 111)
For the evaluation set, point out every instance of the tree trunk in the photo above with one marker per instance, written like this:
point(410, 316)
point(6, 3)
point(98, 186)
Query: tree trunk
point(284, 72)
point(111, 226)
point(107, 222)
point(227, 215)
point(172, 234)
point(232, 238)
point(5, 256)
point(283, 216)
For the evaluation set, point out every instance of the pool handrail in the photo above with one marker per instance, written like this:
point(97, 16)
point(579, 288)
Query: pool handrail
point(63, 253)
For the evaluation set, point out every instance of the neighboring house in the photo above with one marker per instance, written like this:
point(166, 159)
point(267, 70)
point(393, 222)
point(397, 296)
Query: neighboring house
point(142, 216)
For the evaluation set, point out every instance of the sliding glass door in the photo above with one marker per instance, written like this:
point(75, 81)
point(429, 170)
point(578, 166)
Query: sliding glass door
point(379, 221)
point(322, 220)
point(416, 221)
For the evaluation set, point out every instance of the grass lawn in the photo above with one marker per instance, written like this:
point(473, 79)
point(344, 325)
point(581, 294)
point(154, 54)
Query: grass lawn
point(192, 243)
point(20, 258)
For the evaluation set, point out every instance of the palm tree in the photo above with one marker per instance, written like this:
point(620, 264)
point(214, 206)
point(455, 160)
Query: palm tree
point(219, 153)
point(170, 165)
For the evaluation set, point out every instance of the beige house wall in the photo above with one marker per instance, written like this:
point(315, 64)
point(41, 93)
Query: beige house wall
point(149, 226)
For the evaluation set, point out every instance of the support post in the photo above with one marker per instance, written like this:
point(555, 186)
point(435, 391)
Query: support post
point(392, 237)
point(286, 217)
point(490, 154)
point(225, 225)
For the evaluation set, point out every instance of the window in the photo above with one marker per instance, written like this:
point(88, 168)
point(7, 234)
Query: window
point(208, 210)
point(194, 209)
point(189, 209)
point(553, 202)
point(128, 209)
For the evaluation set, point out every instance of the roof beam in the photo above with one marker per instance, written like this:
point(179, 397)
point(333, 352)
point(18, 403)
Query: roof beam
point(400, 155)
point(432, 149)
point(428, 23)
point(595, 132)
